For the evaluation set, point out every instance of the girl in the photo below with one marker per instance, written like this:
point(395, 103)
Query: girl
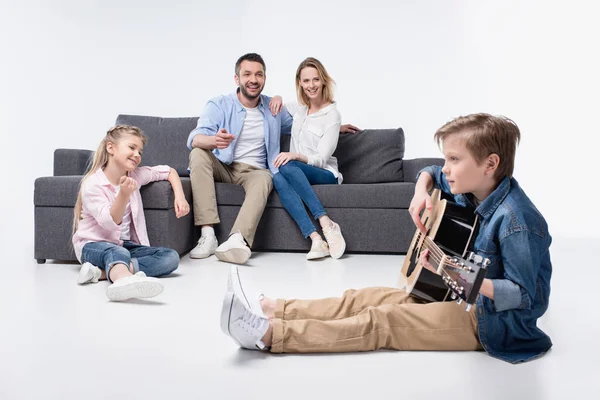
point(109, 225)
point(315, 133)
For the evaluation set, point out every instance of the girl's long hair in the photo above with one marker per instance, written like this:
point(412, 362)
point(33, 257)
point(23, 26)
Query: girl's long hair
point(100, 160)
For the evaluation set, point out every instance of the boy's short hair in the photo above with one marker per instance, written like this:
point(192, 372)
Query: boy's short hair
point(486, 134)
point(249, 57)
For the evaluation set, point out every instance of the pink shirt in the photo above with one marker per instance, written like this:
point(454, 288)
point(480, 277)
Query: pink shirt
point(98, 196)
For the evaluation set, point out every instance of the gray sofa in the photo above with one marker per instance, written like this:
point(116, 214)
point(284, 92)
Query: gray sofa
point(371, 205)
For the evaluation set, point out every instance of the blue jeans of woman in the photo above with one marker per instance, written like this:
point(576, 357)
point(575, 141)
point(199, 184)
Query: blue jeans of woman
point(293, 184)
point(153, 261)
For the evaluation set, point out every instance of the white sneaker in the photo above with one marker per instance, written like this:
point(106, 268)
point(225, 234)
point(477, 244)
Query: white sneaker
point(234, 250)
point(335, 240)
point(206, 247)
point(88, 274)
point(137, 286)
point(318, 249)
point(242, 324)
point(234, 285)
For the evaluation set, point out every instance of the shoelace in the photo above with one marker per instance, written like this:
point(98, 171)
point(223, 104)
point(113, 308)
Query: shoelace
point(253, 320)
point(329, 236)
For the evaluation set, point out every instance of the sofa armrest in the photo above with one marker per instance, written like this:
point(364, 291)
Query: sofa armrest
point(72, 161)
point(412, 167)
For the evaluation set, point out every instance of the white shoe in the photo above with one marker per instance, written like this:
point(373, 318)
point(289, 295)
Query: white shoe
point(88, 273)
point(206, 247)
point(234, 250)
point(137, 286)
point(318, 249)
point(335, 240)
point(234, 285)
point(242, 324)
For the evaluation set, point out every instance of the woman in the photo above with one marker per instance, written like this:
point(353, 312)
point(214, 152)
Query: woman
point(315, 134)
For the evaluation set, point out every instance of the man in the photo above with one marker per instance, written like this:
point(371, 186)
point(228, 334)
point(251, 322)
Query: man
point(236, 141)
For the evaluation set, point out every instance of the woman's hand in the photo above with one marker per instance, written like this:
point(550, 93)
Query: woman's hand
point(275, 105)
point(182, 208)
point(284, 158)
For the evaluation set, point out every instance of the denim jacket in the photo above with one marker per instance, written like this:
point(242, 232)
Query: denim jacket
point(227, 112)
point(514, 236)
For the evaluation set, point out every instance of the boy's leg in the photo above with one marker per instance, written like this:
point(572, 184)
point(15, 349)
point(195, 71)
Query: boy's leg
point(257, 184)
point(351, 303)
point(153, 261)
point(293, 204)
point(205, 170)
point(410, 326)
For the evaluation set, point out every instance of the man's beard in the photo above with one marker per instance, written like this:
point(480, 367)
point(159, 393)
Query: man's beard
point(248, 95)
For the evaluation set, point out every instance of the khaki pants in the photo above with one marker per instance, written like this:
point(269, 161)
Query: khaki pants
point(370, 319)
point(206, 169)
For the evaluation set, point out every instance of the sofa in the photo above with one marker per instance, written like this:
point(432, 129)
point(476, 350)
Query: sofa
point(371, 205)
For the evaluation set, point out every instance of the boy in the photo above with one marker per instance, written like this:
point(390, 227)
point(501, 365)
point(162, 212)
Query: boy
point(479, 150)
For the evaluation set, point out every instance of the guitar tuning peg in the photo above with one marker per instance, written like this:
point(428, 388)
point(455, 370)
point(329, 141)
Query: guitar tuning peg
point(468, 308)
point(486, 262)
point(453, 295)
point(459, 301)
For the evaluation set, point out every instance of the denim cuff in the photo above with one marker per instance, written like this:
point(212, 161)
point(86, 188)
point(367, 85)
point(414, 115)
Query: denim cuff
point(507, 294)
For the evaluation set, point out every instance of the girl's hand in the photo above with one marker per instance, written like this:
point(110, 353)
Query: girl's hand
point(182, 208)
point(127, 186)
point(275, 105)
point(284, 158)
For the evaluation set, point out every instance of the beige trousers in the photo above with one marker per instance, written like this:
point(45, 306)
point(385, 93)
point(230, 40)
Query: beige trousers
point(206, 169)
point(370, 319)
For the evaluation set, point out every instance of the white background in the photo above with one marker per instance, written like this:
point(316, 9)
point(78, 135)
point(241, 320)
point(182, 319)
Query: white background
point(69, 67)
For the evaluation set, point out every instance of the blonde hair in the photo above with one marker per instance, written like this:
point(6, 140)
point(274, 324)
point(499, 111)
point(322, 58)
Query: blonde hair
point(100, 160)
point(486, 134)
point(328, 82)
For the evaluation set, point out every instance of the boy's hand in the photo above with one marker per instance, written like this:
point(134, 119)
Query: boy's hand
point(275, 105)
point(127, 186)
point(182, 208)
point(424, 261)
point(419, 201)
point(223, 139)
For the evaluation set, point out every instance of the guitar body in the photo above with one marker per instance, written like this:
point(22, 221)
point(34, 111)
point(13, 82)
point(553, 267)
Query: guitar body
point(453, 228)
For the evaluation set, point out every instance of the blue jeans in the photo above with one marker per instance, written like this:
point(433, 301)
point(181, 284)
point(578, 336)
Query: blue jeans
point(292, 182)
point(153, 261)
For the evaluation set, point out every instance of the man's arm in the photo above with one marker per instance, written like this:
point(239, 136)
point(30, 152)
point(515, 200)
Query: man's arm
point(209, 123)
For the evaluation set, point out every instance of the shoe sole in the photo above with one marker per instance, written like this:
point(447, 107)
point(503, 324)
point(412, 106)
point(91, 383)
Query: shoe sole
point(341, 252)
point(236, 286)
point(236, 256)
point(135, 290)
point(203, 255)
point(85, 274)
point(316, 255)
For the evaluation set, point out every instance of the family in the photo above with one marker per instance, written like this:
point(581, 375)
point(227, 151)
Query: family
point(237, 140)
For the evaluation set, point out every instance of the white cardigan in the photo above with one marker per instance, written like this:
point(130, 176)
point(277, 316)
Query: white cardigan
point(316, 135)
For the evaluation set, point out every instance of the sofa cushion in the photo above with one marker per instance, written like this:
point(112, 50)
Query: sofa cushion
point(382, 195)
point(167, 138)
point(371, 156)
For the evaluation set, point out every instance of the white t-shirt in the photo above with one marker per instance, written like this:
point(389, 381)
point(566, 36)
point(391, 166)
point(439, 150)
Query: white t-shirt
point(316, 135)
point(126, 221)
point(250, 145)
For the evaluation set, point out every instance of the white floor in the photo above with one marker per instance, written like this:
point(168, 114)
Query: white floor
point(59, 340)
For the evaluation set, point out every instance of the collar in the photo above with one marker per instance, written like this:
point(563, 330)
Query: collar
point(487, 207)
point(240, 107)
point(322, 111)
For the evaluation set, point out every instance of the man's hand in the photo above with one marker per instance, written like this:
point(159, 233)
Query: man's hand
point(182, 207)
point(275, 105)
point(284, 158)
point(424, 261)
point(349, 128)
point(127, 186)
point(223, 139)
point(419, 201)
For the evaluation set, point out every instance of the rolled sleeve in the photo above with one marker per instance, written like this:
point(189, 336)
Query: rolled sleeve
point(211, 119)
point(507, 295)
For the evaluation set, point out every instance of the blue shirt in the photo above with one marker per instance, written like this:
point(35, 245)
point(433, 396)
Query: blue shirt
point(227, 112)
point(514, 236)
